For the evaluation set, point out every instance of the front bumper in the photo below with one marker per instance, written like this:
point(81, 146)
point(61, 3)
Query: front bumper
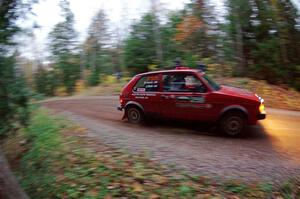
point(261, 116)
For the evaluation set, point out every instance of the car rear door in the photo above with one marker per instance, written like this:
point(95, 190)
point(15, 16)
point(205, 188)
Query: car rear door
point(184, 96)
point(146, 93)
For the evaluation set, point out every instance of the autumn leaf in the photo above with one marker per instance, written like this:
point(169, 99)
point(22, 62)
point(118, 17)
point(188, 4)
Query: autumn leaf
point(154, 196)
point(137, 187)
point(159, 179)
point(108, 197)
point(93, 193)
point(188, 25)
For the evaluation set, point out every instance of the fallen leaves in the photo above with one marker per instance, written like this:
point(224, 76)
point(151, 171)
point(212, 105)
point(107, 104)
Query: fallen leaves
point(80, 170)
point(93, 192)
point(154, 196)
point(159, 179)
point(137, 187)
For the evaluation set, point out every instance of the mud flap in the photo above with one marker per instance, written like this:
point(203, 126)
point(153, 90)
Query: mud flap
point(124, 116)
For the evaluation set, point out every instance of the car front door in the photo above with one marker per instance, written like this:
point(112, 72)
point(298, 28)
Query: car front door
point(184, 96)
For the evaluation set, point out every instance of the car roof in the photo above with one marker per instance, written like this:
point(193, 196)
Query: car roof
point(172, 71)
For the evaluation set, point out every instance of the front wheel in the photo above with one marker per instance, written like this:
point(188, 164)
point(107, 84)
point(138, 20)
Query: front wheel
point(233, 124)
point(134, 115)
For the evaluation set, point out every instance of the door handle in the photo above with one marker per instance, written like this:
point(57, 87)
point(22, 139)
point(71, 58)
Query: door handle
point(183, 98)
point(164, 97)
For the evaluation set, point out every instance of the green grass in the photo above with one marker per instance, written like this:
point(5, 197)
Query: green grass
point(44, 147)
point(59, 163)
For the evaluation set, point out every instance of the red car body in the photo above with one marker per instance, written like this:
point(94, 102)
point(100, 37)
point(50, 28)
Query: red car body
point(209, 103)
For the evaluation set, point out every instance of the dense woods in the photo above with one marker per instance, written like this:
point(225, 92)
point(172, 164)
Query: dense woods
point(265, 37)
point(259, 39)
point(13, 93)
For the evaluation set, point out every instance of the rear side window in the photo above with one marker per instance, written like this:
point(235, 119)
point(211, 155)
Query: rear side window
point(182, 83)
point(149, 83)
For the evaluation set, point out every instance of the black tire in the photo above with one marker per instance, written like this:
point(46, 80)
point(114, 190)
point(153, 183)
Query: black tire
point(232, 124)
point(134, 115)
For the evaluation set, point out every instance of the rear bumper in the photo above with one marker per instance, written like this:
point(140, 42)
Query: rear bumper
point(120, 108)
point(261, 116)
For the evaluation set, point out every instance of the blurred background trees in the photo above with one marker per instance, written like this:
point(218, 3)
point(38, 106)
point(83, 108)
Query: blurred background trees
point(96, 48)
point(259, 39)
point(64, 49)
point(13, 91)
point(265, 37)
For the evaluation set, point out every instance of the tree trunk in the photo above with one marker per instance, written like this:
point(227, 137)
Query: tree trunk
point(240, 56)
point(157, 36)
point(82, 76)
point(282, 33)
point(9, 186)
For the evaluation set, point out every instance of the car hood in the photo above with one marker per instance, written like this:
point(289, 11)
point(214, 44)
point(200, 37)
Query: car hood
point(228, 90)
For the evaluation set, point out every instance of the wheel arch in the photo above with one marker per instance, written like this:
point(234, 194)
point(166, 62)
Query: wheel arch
point(137, 106)
point(234, 108)
point(133, 103)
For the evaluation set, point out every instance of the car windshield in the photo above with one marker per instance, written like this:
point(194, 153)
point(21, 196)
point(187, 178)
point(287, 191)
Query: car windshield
point(212, 83)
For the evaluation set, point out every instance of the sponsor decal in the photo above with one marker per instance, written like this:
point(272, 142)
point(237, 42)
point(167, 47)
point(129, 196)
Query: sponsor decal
point(192, 102)
point(189, 105)
point(141, 90)
point(144, 94)
point(151, 82)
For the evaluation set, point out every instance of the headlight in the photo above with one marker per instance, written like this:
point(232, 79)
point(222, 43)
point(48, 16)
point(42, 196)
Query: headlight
point(262, 108)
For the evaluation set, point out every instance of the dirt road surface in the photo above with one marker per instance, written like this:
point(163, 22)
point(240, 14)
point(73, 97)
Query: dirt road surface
point(269, 151)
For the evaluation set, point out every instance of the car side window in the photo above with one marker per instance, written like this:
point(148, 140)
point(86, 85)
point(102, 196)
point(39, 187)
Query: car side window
point(149, 83)
point(182, 83)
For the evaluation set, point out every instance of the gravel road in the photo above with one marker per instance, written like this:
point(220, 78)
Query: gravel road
point(269, 151)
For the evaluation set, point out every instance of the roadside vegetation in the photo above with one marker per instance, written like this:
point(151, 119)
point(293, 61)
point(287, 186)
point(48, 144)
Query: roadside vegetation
point(54, 158)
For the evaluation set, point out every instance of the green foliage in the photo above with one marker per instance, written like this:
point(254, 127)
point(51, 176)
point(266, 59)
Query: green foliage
point(264, 37)
point(60, 161)
point(289, 189)
point(94, 78)
point(259, 39)
point(235, 187)
point(45, 82)
point(68, 71)
point(13, 92)
point(186, 191)
point(99, 58)
point(63, 45)
point(266, 187)
point(14, 99)
point(44, 147)
point(139, 50)
point(8, 14)
point(190, 60)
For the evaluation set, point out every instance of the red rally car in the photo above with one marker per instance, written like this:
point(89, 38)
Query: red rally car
point(189, 94)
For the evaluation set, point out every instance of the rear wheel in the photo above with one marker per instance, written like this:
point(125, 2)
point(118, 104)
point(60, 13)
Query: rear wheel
point(134, 115)
point(233, 124)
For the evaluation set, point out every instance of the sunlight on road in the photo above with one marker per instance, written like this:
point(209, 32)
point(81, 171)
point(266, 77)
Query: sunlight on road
point(284, 133)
